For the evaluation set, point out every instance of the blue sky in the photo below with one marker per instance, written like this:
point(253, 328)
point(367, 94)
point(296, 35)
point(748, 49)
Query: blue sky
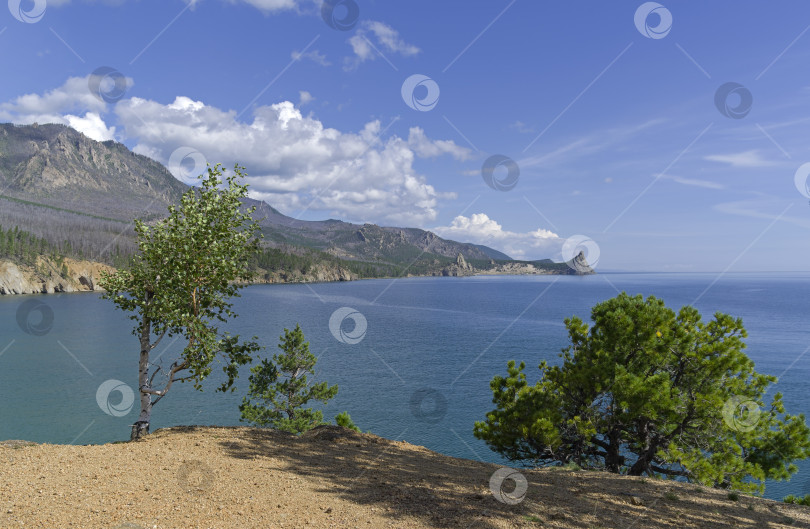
point(621, 146)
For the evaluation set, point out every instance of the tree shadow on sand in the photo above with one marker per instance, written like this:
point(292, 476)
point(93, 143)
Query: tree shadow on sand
point(396, 478)
point(405, 481)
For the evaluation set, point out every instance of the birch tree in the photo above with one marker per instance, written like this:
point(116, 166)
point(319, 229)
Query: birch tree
point(180, 283)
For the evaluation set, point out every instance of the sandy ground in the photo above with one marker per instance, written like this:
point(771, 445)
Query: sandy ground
point(217, 478)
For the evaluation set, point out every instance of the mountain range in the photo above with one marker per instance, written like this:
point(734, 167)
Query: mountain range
point(77, 197)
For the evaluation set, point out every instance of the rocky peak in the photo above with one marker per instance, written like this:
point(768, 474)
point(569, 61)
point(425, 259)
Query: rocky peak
point(580, 264)
point(60, 167)
point(462, 263)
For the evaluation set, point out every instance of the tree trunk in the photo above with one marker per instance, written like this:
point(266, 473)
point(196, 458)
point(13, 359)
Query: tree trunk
point(613, 459)
point(141, 426)
point(642, 464)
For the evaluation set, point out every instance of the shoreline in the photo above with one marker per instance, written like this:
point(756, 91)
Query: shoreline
point(95, 289)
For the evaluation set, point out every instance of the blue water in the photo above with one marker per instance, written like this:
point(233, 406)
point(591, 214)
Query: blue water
point(420, 373)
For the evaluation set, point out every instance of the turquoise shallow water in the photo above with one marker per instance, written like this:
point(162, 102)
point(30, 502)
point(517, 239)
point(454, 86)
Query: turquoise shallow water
point(420, 372)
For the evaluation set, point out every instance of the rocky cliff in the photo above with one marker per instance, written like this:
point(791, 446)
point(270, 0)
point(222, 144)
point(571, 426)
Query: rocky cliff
point(576, 266)
point(83, 276)
point(318, 274)
point(59, 167)
point(48, 278)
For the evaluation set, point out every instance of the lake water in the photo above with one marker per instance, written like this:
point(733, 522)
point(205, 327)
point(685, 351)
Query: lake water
point(420, 373)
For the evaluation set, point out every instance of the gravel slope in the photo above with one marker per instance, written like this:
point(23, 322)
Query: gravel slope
point(218, 478)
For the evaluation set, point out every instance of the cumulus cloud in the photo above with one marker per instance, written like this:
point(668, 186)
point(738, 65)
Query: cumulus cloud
point(295, 162)
point(71, 104)
point(92, 126)
point(374, 38)
point(72, 96)
point(480, 229)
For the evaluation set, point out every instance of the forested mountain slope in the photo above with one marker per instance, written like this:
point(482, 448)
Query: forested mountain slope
point(65, 195)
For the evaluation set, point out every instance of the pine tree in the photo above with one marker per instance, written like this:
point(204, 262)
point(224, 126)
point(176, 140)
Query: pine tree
point(345, 420)
point(645, 390)
point(281, 404)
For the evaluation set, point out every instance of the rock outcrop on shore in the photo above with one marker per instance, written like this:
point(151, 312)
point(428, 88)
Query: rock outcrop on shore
point(47, 277)
point(84, 276)
point(318, 274)
point(516, 269)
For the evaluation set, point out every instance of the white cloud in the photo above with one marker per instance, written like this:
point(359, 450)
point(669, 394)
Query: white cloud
point(561, 154)
point(755, 209)
point(92, 126)
point(708, 184)
point(304, 97)
point(73, 96)
point(314, 56)
point(295, 162)
point(596, 142)
point(424, 147)
point(61, 105)
point(480, 229)
point(750, 158)
point(57, 3)
point(266, 6)
point(270, 6)
point(387, 40)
